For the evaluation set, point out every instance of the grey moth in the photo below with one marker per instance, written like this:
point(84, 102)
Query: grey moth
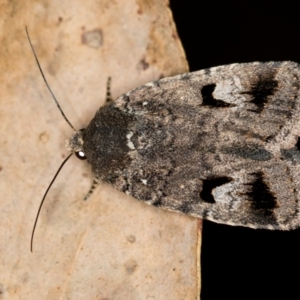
point(220, 144)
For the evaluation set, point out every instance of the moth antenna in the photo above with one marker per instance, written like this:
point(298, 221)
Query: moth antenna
point(42, 202)
point(45, 80)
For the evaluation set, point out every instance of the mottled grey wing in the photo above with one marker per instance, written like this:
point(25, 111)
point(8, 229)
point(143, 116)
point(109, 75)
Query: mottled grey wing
point(220, 144)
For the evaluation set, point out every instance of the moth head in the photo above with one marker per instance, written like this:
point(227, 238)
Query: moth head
point(75, 144)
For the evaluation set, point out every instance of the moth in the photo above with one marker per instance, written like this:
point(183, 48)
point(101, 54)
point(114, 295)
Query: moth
point(220, 144)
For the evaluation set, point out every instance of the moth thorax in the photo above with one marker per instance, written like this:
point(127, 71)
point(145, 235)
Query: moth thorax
point(75, 143)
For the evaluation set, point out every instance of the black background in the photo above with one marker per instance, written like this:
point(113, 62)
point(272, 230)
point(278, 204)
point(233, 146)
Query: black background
point(241, 263)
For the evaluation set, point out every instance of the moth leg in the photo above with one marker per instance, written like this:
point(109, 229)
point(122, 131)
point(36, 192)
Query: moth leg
point(90, 192)
point(108, 93)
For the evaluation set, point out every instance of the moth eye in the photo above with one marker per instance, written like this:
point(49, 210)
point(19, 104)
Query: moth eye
point(80, 155)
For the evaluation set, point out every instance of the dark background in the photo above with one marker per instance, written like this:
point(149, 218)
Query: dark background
point(241, 263)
